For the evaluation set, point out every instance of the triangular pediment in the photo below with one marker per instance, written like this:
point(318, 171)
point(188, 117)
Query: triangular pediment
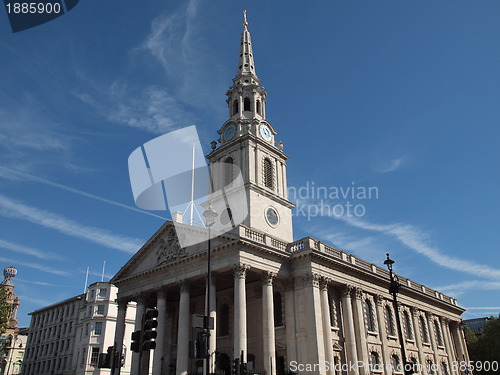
point(164, 248)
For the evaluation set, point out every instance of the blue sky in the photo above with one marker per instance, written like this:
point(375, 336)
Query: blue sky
point(398, 95)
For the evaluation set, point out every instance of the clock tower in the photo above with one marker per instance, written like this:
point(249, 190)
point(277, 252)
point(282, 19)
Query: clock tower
point(247, 141)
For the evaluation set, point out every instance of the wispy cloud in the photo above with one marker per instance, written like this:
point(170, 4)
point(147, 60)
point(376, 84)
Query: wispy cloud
point(40, 267)
point(40, 254)
point(152, 109)
point(15, 209)
point(418, 241)
point(462, 287)
point(483, 308)
point(16, 175)
point(387, 166)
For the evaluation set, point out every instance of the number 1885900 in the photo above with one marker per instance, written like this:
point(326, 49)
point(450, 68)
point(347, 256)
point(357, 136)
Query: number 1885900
point(32, 8)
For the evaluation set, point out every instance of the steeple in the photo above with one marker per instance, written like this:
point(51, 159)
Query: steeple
point(247, 144)
point(246, 66)
point(246, 99)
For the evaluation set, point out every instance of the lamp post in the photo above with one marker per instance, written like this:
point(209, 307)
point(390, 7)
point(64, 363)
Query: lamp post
point(210, 216)
point(393, 290)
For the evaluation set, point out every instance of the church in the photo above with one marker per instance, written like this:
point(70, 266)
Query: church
point(279, 304)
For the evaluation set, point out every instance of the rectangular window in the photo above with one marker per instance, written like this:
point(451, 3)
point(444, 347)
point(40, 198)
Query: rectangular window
point(94, 356)
point(86, 329)
point(98, 328)
point(92, 294)
point(89, 311)
point(100, 309)
point(102, 293)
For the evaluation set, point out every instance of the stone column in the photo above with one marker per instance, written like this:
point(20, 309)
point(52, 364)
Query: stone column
point(433, 334)
point(459, 342)
point(240, 312)
point(327, 324)
point(139, 316)
point(120, 327)
point(445, 332)
point(268, 339)
point(314, 321)
point(382, 329)
point(169, 331)
point(291, 339)
point(183, 330)
point(359, 318)
point(240, 104)
point(418, 338)
point(349, 332)
point(161, 306)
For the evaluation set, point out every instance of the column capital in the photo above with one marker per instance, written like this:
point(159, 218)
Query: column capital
point(414, 310)
point(161, 292)
point(213, 278)
point(140, 299)
point(268, 278)
point(429, 315)
point(311, 279)
point(183, 285)
point(347, 291)
point(379, 299)
point(358, 293)
point(122, 302)
point(240, 270)
point(324, 282)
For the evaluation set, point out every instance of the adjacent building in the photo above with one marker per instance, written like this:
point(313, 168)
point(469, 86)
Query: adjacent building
point(13, 340)
point(281, 304)
point(67, 337)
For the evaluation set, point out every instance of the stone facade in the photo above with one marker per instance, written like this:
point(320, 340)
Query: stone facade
point(278, 303)
point(67, 337)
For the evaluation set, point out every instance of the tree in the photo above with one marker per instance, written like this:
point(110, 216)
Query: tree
point(485, 348)
point(5, 310)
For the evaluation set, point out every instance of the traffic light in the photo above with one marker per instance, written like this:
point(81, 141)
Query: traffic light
point(236, 367)
point(105, 359)
point(243, 370)
point(135, 346)
point(150, 324)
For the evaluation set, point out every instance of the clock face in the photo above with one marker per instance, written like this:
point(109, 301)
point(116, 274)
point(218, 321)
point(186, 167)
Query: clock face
point(272, 216)
point(229, 132)
point(265, 132)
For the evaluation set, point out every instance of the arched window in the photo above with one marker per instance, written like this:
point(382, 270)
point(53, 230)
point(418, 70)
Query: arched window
point(409, 332)
point(223, 320)
point(228, 171)
point(430, 367)
point(396, 366)
point(370, 319)
point(425, 332)
point(439, 337)
point(259, 107)
point(246, 104)
point(444, 367)
point(278, 309)
point(391, 331)
point(374, 361)
point(235, 106)
point(268, 174)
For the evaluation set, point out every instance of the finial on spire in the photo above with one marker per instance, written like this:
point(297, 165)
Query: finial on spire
point(245, 23)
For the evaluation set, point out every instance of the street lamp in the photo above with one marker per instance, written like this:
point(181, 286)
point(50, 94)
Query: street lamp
point(394, 290)
point(210, 216)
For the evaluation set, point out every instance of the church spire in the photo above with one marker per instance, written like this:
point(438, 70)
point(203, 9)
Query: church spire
point(246, 66)
point(246, 98)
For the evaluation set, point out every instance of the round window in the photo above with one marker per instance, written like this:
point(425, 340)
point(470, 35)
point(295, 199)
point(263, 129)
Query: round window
point(272, 216)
